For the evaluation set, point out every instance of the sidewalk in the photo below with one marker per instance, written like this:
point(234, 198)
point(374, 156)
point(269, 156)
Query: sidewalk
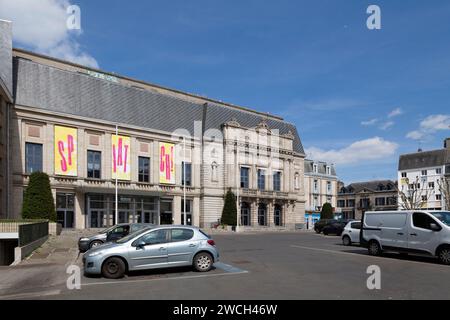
point(43, 272)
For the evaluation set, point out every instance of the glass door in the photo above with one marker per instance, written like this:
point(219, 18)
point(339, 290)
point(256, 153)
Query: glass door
point(65, 214)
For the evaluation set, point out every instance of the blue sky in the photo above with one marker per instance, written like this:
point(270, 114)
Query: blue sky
point(359, 97)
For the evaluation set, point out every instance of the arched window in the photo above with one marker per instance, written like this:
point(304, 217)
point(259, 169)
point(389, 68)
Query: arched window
point(214, 174)
point(297, 181)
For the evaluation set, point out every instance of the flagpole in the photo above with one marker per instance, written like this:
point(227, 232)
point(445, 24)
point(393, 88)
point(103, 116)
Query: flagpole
point(184, 181)
point(116, 204)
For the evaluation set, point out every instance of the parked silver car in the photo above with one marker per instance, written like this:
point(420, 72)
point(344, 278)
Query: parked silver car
point(113, 233)
point(152, 248)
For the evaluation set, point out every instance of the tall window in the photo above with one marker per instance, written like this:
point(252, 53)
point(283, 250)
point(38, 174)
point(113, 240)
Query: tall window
point(94, 164)
point(188, 175)
point(188, 212)
point(329, 186)
point(261, 179)
point(277, 181)
point(316, 186)
point(439, 171)
point(328, 170)
point(404, 175)
point(33, 157)
point(144, 169)
point(424, 172)
point(244, 177)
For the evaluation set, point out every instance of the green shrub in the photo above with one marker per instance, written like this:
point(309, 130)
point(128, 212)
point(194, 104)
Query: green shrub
point(229, 212)
point(38, 202)
point(327, 211)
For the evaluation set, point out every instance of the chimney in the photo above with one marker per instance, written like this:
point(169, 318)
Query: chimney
point(6, 59)
point(447, 143)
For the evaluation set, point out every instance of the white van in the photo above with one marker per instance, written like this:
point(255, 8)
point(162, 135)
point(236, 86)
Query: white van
point(416, 232)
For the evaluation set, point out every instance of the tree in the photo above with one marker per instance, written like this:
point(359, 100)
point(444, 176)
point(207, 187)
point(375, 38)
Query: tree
point(327, 211)
point(413, 195)
point(444, 188)
point(229, 212)
point(38, 200)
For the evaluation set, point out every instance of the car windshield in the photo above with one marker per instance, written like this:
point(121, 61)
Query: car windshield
point(107, 230)
point(444, 216)
point(132, 235)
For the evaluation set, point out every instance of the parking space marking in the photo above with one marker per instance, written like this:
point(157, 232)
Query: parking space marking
point(387, 259)
point(228, 268)
point(160, 279)
point(29, 295)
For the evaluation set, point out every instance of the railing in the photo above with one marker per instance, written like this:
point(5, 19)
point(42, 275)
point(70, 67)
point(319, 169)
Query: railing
point(12, 226)
point(31, 232)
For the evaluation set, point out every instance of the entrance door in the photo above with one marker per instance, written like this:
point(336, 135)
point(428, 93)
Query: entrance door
point(245, 214)
point(166, 212)
point(277, 215)
point(97, 219)
point(65, 209)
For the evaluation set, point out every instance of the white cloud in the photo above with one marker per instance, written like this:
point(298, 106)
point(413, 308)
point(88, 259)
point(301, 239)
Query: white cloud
point(395, 112)
point(363, 150)
point(41, 26)
point(387, 125)
point(430, 125)
point(370, 122)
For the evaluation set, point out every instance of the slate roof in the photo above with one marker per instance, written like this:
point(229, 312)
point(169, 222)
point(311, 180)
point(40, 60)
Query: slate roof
point(6, 57)
point(321, 168)
point(424, 159)
point(372, 186)
point(45, 87)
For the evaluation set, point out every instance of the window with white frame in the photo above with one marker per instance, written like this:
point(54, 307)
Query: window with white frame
point(328, 170)
point(315, 168)
point(424, 172)
point(329, 186)
point(438, 170)
point(404, 175)
point(438, 197)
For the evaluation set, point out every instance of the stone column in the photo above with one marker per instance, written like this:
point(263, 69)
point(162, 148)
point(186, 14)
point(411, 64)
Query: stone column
point(254, 213)
point(196, 212)
point(270, 215)
point(176, 210)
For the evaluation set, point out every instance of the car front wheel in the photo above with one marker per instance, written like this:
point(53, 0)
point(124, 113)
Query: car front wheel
point(203, 262)
point(95, 244)
point(444, 255)
point(374, 248)
point(113, 268)
point(346, 241)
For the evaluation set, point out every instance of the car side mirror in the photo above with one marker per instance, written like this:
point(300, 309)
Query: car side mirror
point(435, 227)
point(140, 244)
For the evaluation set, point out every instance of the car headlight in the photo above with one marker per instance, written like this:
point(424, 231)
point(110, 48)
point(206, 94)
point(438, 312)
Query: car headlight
point(95, 253)
point(84, 239)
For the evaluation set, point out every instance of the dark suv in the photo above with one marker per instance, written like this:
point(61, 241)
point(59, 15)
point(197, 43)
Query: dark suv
point(319, 225)
point(336, 227)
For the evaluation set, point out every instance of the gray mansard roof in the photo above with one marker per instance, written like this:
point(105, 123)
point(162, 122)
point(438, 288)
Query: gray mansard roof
point(425, 159)
point(321, 167)
point(6, 58)
point(45, 87)
point(371, 186)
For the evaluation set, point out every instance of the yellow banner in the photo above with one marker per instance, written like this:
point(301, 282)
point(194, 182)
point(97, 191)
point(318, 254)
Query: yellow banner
point(166, 163)
point(121, 157)
point(65, 151)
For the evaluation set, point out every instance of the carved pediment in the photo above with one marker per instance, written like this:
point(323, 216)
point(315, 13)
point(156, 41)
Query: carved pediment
point(232, 123)
point(263, 126)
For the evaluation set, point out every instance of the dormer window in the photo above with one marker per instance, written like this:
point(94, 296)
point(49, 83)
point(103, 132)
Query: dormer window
point(328, 170)
point(315, 168)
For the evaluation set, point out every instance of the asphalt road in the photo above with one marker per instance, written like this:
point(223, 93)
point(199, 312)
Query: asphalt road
point(279, 266)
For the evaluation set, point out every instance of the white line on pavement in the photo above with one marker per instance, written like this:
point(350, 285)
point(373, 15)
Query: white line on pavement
point(159, 279)
point(368, 256)
point(31, 294)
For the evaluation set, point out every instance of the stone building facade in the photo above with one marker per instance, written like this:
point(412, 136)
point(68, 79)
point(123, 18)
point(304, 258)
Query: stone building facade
point(169, 146)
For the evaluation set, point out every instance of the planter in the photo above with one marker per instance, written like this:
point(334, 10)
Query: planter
point(54, 228)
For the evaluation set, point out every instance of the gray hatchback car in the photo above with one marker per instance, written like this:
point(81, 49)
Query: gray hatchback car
point(152, 248)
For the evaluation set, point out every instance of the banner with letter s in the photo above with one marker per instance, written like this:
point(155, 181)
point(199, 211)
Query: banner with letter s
point(65, 151)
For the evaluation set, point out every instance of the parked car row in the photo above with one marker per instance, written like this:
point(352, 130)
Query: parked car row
point(330, 226)
point(417, 232)
point(130, 247)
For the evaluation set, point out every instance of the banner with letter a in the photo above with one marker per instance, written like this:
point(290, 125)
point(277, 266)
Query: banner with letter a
point(121, 158)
